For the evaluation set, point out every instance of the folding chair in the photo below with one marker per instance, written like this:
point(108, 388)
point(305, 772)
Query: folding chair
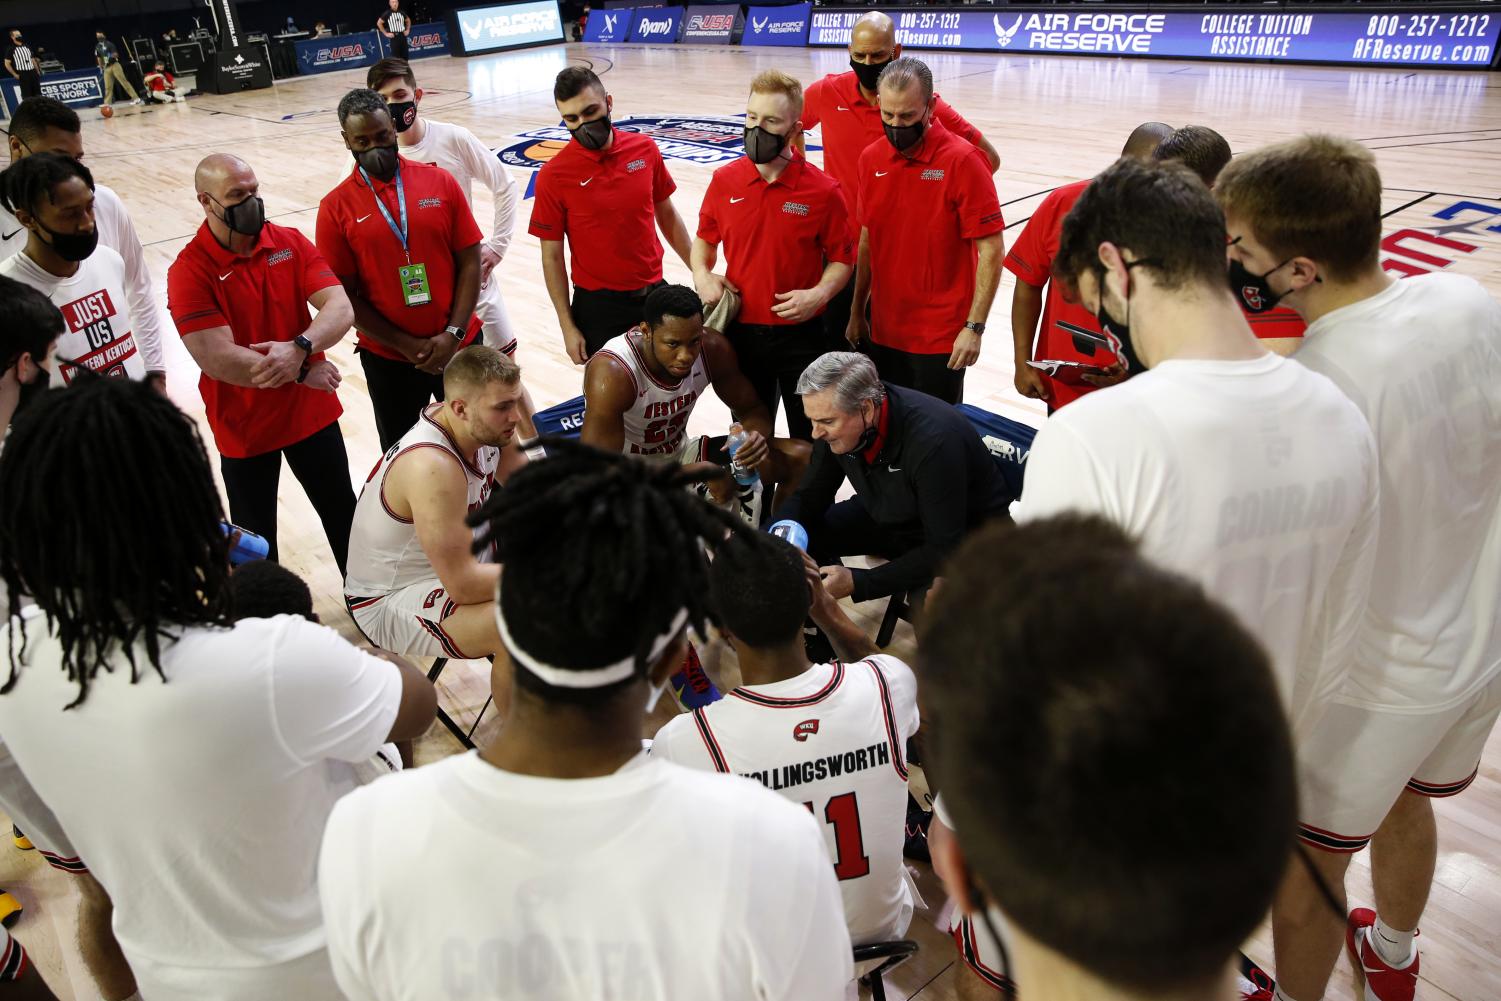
point(896, 952)
point(464, 737)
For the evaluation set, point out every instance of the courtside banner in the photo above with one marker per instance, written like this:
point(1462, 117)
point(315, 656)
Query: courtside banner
point(497, 27)
point(610, 25)
point(656, 24)
point(426, 40)
point(341, 52)
point(781, 25)
point(709, 24)
point(1406, 36)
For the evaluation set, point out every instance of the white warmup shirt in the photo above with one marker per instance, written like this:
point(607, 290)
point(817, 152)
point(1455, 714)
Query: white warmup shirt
point(1422, 360)
point(1256, 478)
point(657, 883)
point(459, 151)
point(655, 423)
point(200, 803)
point(833, 740)
point(118, 233)
point(99, 328)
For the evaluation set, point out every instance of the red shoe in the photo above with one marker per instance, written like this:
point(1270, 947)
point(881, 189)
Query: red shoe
point(1383, 982)
point(1255, 984)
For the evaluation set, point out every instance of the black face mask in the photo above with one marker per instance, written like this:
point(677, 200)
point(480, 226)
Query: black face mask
point(378, 161)
point(762, 146)
point(403, 114)
point(904, 137)
point(869, 74)
point(594, 135)
point(32, 391)
point(245, 217)
point(868, 436)
point(72, 247)
point(1119, 334)
point(1253, 291)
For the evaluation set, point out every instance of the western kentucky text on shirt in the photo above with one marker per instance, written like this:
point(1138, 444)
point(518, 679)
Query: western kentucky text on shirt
point(108, 349)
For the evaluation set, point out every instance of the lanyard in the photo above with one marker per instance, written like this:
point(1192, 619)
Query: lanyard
point(401, 203)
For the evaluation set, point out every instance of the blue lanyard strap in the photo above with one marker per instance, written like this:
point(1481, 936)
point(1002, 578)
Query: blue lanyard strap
point(401, 203)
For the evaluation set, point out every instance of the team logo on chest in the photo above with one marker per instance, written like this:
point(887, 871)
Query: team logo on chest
point(430, 203)
point(795, 208)
point(804, 730)
point(933, 175)
point(279, 257)
point(634, 166)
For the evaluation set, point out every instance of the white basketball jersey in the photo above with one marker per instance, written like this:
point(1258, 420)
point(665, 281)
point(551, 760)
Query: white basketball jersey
point(384, 553)
point(655, 424)
point(834, 740)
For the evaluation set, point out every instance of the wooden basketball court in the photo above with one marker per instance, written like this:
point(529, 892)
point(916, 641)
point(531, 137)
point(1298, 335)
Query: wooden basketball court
point(1053, 119)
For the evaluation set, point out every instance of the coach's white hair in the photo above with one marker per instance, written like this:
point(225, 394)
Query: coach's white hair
point(850, 375)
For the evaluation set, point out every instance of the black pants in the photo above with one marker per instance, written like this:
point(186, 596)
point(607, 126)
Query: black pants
point(772, 358)
point(847, 529)
point(398, 45)
point(605, 313)
point(322, 467)
point(836, 315)
point(31, 83)
point(925, 373)
point(398, 392)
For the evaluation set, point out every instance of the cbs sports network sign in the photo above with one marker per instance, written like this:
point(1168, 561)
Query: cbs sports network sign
point(1405, 35)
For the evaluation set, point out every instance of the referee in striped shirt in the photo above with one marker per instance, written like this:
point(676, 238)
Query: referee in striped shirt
point(21, 64)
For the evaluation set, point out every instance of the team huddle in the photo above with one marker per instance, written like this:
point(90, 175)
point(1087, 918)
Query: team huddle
point(1224, 561)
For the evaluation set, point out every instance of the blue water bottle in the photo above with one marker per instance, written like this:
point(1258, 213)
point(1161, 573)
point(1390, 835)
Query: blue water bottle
point(247, 546)
point(792, 532)
point(745, 476)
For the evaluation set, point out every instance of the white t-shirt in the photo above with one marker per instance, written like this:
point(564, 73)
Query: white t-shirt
point(459, 880)
point(833, 738)
point(1256, 478)
point(1422, 360)
point(199, 803)
point(118, 233)
point(99, 332)
point(459, 151)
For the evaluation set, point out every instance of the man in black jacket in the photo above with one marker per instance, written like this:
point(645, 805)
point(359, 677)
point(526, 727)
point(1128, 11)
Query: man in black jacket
point(922, 477)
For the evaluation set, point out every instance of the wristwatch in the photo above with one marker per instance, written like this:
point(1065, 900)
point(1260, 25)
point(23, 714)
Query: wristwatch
point(302, 342)
point(978, 328)
point(458, 332)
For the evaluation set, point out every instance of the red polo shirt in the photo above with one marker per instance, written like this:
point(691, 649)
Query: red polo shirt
point(922, 214)
point(1279, 322)
point(605, 203)
point(362, 250)
point(262, 297)
point(1031, 261)
point(778, 236)
point(850, 124)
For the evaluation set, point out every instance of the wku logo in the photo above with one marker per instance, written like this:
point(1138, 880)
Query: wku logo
point(1003, 36)
point(1251, 295)
point(432, 599)
point(804, 730)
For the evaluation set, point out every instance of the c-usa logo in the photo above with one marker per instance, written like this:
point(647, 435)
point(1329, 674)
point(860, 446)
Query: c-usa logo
point(1003, 36)
point(760, 25)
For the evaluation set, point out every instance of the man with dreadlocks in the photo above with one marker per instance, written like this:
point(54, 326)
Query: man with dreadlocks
point(414, 587)
point(535, 866)
point(192, 760)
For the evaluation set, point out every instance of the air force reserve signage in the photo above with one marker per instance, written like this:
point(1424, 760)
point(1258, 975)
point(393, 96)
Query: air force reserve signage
point(497, 27)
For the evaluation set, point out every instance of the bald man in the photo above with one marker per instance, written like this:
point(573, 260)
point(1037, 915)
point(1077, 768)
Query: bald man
point(239, 294)
point(847, 108)
point(1069, 332)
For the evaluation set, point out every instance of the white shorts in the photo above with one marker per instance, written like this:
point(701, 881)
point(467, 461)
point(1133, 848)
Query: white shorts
point(409, 621)
point(978, 949)
point(1357, 761)
point(495, 323)
point(34, 818)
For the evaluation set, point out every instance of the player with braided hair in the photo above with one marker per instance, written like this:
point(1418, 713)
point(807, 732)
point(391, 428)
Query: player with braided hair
point(535, 865)
point(191, 760)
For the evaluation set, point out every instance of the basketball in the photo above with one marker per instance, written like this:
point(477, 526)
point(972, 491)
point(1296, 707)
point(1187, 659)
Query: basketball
point(107, 111)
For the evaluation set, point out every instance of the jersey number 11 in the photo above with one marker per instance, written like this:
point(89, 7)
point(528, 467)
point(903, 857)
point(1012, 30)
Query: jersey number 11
point(843, 812)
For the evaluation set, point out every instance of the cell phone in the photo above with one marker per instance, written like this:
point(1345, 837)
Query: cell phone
point(1070, 373)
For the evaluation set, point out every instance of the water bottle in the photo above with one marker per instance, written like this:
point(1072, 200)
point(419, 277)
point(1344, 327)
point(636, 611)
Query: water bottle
point(247, 545)
point(792, 532)
point(743, 475)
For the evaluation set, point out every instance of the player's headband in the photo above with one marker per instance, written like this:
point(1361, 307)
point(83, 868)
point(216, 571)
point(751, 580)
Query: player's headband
point(593, 677)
